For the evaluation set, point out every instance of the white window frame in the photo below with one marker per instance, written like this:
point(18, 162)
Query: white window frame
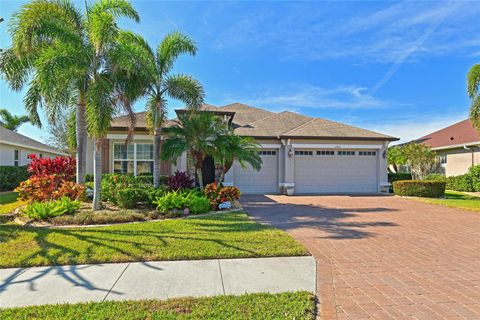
point(135, 158)
point(443, 159)
point(16, 158)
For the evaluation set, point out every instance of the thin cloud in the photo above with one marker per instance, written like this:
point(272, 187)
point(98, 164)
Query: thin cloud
point(403, 32)
point(298, 96)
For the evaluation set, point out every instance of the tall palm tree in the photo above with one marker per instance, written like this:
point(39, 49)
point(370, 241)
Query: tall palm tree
point(10, 121)
point(230, 147)
point(162, 84)
point(59, 51)
point(195, 132)
point(473, 89)
point(114, 86)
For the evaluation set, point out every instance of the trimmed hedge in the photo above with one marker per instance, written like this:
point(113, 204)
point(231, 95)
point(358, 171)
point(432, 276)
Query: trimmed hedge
point(10, 177)
point(419, 188)
point(396, 176)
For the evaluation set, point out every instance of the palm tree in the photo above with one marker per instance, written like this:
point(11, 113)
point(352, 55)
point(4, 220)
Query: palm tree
point(473, 89)
point(10, 121)
point(114, 86)
point(59, 50)
point(162, 84)
point(230, 147)
point(195, 132)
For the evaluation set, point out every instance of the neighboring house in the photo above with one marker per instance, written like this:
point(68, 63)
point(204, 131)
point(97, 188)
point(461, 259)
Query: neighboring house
point(15, 148)
point(457, 146)
point(300, 154)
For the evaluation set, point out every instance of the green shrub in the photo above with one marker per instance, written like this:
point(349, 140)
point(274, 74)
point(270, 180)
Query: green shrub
point(153, 194)
point(460, 183)
point(170, 201)
point(10, 177)
point(179, 200)
point(396, 176)
point(44, 210)
point(474, 174)
point(419, 188)
point(128, 198)
point(89, 177)
point(197, 204)
point(436, 177)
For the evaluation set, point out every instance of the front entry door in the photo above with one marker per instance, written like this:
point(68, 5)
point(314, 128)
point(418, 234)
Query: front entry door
point(208, 170)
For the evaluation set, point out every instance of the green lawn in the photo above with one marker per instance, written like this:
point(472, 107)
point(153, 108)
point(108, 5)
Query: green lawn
point(8, 202)
point(229, 235)
point(298, 305)
point(456, 199)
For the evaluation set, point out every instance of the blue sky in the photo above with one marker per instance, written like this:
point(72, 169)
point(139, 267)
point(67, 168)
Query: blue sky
point(394, 67)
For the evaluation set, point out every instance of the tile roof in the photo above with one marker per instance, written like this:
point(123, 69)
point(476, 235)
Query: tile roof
point(274, 125)
point(459, 133)
point(15, 138)
point(256, 122)
point(245, 114)
point(318, 127)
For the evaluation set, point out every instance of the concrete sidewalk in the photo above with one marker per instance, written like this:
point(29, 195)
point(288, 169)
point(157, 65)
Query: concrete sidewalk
point(154, 280)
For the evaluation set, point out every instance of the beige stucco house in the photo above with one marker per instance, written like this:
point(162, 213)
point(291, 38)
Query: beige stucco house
point(300, 154)
point(457, 146)
point(15, 148)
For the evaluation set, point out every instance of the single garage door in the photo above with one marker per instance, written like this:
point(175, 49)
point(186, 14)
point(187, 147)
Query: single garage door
point(250, 181)
point(336, 171)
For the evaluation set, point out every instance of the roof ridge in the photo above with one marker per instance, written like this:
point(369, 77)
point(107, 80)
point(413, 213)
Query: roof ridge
point(300, 126)
point(258, 120)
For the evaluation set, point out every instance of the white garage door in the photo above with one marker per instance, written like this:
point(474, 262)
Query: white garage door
point(336, 171)
point(250, 181)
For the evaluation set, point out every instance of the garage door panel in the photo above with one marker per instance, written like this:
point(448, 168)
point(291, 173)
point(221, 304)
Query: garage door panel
point(336, 173)
point(250, 181)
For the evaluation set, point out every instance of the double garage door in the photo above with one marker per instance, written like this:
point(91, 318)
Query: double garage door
point(335, 171)
point(316, 172)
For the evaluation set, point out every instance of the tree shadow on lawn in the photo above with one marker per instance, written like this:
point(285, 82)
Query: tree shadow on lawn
point(132, 245)
point(330, 220)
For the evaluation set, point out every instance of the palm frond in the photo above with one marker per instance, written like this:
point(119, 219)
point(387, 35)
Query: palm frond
point(473, 81)
point(99, 106)
point(32, 102)
point(14, 69)
point(115, 8)
point(40, 21)
point(475, 112)
point(171, 47)
point(186, 89)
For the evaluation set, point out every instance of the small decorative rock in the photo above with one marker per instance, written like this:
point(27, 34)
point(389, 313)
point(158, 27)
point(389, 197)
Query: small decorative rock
point(186, 211)
point(225, 205)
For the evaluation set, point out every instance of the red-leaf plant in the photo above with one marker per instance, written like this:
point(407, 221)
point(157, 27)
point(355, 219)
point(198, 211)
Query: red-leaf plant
point(51, 179)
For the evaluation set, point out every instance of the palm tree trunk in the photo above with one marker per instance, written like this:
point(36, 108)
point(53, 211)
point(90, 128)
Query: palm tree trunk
point(200, 177)
point(156, 157)
point(97, 175)
point(81, 128)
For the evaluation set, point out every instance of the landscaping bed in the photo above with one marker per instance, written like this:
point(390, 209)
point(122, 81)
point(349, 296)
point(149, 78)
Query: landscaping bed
point(297, 305)
point(110, 214)
point(224, 235)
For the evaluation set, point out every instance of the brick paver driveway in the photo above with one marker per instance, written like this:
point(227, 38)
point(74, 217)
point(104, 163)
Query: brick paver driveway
point(383, 257)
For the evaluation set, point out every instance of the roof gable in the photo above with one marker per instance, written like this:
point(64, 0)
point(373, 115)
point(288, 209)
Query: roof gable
point(459, 133)
point(14, 138)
